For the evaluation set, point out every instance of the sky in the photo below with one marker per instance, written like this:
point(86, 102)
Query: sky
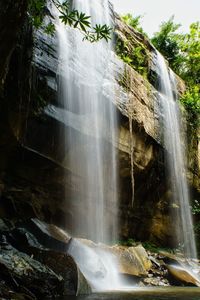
point(154, 12)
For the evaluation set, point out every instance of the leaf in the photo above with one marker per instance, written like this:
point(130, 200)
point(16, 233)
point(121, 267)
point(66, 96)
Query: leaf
point(50, 29)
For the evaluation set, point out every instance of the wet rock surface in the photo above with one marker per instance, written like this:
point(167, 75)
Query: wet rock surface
point(30, 268)
point(132, 260)
point(25, 273)
point(183, 274)
point(137, 266)
point(172, 270)
point(11, 19)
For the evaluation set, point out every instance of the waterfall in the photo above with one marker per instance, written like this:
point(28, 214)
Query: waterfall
point(175, 157)
point(86, 94)
point(86, 108)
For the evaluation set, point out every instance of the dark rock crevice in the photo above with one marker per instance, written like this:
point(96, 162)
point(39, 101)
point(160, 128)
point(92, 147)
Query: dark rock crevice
point(12, 15)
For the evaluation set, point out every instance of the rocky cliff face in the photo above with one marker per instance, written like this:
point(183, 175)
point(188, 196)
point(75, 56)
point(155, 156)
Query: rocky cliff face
point(12, 17)
point(34, 180)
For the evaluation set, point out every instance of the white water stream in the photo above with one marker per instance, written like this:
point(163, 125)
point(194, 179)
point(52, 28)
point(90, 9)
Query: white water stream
point(86, 93)
point(176, 158)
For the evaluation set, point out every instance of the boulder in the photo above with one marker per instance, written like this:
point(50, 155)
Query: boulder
point(183, 274)
point(35, 233)
point(175, 269)
point(132, 260)
point(63, 264)
point(49, 235)
point(45, 245)
point(21, 272)
point(89, 257)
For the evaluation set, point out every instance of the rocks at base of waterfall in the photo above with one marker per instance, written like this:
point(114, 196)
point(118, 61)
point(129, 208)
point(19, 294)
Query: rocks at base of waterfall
point(96, 263)
point(182, 271)
point(74, 282)
point(156, 281)
point(172, 270)
point(53, 271)
point(26, 248)
point(183, 275)
point(36, 233)
point(132, 260)
point(158, 274)
point(23, 274)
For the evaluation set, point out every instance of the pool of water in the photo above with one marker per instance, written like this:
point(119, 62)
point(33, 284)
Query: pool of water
point(166, 293)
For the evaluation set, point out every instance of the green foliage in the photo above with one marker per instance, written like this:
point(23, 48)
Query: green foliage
point(134, 22)
point(191, 101)
point(81, 21)
point(36, 11)
point(50, 29)
point(183, 53)
point(197, 228)
point(190, 72)
point(150, 247)
point(156, 249)
point(136, 56)
point(196, 209)
point(70, 17)
point(102, 32)
point(166, 40)
point(196, 213)
point(190, 48)
point(181, 50)
point(128, 243)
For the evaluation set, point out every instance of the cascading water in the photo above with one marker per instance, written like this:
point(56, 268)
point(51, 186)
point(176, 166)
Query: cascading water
point(175, 157)
point(86, 93)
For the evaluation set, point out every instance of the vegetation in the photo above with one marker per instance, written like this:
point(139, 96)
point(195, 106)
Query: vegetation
point(36, 12)
point(131, 53)
point(190, 49)
point(127, 243)
point(196, 214)
point(70, 17)
point(136, 56)
point(191, 101)
point(183, 53)
point(181, 50)
point(134, 22)
point(166, 40)
point(190, 72)
point(149, 246)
